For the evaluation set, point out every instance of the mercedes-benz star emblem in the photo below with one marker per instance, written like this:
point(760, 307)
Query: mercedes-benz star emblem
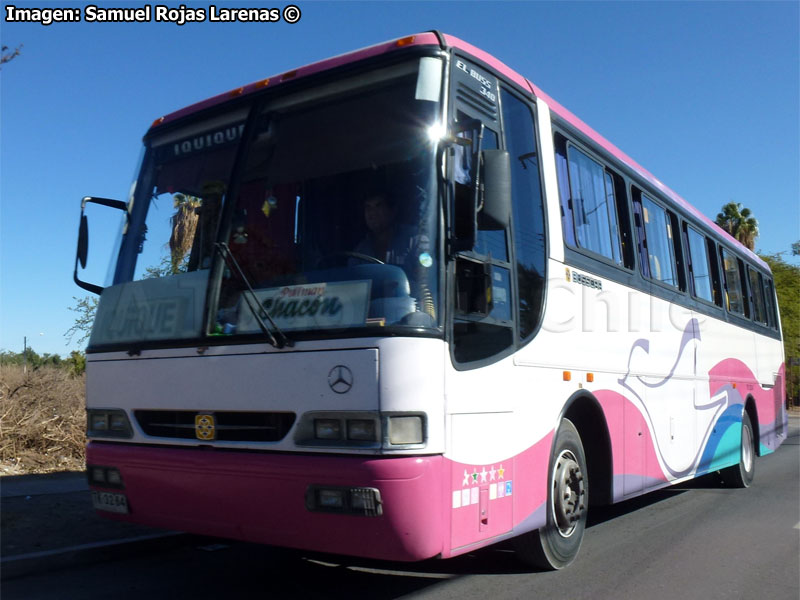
point(340, 379)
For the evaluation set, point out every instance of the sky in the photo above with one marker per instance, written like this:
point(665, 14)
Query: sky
point(705, 95)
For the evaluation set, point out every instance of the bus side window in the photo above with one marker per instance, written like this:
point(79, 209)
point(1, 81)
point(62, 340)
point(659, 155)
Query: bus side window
point(658, 242)
point(716, 277)
point(593, 206)
point(483, 326)
point(528, 209)
point(700, 280)
point(638, 220)
point(757, 295)
point(673, 228)
point(769, 294)
point(734, 297)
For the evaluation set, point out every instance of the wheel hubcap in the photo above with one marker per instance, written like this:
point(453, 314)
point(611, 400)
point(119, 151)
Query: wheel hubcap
point(747, 449)
point(569, 494)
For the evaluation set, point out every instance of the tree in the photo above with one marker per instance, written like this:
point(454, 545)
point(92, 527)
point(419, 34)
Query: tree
point(796, 248)
point(787, 286)
point(184, 226)
point(7, 56)
point(86, 308)
point(739, 223)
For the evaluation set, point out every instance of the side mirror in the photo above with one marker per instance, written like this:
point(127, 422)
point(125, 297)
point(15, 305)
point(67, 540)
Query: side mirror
point(82, 253)
point(496, 210)
point(83, 241)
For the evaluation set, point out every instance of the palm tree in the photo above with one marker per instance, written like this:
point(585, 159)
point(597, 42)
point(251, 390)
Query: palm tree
point(184, 225)
point(739, 223)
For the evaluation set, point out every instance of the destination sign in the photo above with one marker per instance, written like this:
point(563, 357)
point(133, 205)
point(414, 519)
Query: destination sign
point(311, 306)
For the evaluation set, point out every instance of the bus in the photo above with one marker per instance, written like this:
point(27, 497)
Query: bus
point(401, 304)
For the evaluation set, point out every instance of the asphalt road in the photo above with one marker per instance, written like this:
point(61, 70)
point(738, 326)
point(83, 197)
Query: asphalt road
point(693, 541)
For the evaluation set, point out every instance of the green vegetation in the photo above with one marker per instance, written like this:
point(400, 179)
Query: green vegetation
point(787, 286)
point(74, 365)
point(739, 223)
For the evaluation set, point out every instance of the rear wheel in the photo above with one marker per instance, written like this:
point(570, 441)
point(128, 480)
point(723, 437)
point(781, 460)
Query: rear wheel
point(741, 475)
point(556, 545)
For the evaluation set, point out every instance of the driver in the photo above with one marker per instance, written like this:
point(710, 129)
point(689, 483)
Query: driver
point(386, 239)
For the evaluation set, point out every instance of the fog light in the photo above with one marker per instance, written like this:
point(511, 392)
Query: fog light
point(366, 501)
point(114, 477)
point(361, 430)
point(97, 475)
point(330, 499)
point(405, 430)
point(327, 429)
point(361, 501)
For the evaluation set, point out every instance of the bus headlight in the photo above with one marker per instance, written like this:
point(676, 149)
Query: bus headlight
point(108, 422)
point(406, 430)
point(327, 429)
point(361, 429)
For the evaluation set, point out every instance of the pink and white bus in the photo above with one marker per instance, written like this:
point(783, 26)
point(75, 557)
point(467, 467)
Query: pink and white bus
point(402, 304)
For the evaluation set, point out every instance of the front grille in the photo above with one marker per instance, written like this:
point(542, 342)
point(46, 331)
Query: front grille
point(228, 427)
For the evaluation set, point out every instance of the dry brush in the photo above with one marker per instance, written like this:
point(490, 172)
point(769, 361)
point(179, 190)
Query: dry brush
point(42, 420)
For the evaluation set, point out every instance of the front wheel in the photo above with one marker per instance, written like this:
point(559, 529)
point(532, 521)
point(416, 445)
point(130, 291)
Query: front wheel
point(741, 475)
point(556, 545)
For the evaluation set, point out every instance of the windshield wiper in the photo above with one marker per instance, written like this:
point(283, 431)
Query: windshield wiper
point(278, 338)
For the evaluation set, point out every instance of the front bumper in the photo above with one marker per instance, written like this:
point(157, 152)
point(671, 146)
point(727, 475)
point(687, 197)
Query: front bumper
point(260, 497)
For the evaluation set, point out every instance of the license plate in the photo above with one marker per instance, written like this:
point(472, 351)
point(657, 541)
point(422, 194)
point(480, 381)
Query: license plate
point(110, 502)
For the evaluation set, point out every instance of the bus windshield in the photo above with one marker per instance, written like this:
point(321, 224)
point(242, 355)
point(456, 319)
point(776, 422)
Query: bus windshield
point(331, 217)
point(334, 223)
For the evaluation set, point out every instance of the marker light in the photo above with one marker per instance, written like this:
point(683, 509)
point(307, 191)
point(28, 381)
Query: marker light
point(406, 41)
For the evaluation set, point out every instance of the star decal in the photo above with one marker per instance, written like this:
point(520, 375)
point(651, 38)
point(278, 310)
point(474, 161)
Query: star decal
point(466, 479)
point(474, 476)
point(500, 472)
point(492, 473)
point(484, 473)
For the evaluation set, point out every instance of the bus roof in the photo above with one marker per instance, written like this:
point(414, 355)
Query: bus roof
point(432, 39)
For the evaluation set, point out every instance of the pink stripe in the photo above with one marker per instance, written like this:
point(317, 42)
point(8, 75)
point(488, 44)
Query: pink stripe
point(768, 401)
point(304, 71)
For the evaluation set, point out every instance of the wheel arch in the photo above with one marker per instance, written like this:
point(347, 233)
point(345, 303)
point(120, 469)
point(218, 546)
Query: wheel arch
point(585, 412)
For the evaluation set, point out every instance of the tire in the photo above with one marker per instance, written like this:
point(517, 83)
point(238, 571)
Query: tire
point(556, 545)
point(741, 475)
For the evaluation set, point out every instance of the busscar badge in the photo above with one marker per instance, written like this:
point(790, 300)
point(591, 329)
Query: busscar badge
point(204, 427)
